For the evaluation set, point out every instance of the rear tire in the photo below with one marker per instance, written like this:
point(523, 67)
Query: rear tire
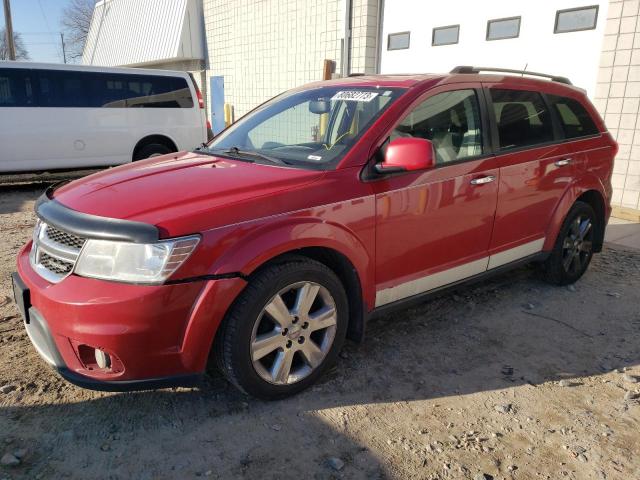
point(284, 330)
point(573, 249)
point(152, 150)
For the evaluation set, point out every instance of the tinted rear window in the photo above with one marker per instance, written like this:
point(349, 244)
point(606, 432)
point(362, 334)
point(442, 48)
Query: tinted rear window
point(574, 118)
point(69, 89)
point(16, 88)
point(522, 118)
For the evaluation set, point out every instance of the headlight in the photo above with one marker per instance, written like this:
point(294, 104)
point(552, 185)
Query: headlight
point(134, 262)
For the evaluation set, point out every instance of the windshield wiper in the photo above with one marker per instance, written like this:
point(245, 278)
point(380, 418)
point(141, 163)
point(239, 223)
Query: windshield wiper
point(250, 153)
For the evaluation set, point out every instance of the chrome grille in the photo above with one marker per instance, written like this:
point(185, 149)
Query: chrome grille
point(54, 252)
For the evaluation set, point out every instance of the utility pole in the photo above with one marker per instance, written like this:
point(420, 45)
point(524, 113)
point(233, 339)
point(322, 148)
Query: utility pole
point(9, 29)
point(64, 53)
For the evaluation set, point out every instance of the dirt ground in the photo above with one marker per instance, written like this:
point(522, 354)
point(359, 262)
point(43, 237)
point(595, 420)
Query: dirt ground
point(510, 378)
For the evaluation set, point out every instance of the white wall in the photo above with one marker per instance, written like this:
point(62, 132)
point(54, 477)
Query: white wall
point(574, 55)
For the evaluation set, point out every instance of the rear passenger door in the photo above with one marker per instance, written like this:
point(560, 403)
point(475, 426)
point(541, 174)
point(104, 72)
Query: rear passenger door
point(535, 171)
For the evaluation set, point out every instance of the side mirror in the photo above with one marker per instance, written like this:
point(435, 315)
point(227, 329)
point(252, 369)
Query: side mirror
point(407, 154)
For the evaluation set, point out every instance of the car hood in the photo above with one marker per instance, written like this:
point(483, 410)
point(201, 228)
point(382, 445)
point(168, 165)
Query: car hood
point(186, 192)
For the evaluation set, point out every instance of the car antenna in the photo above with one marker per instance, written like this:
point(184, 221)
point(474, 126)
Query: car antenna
point(524, 69)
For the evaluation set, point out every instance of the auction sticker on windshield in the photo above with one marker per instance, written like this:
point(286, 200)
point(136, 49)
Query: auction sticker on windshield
point(355, 96)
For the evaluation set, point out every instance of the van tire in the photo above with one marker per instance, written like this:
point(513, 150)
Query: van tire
point(555, 270)
point(234, 340)
point(151, 150)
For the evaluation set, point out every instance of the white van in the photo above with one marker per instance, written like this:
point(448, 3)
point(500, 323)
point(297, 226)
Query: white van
point(68, 116)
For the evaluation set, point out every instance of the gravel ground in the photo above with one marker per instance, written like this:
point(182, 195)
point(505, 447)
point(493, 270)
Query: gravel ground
point(510, 378)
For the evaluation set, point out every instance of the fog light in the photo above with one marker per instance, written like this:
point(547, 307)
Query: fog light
point(102, 359)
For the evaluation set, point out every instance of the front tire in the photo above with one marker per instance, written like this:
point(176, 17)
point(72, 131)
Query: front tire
point(573, 249)
point(284, 330)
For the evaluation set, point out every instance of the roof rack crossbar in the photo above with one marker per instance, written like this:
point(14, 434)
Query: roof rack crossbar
point(469, 69)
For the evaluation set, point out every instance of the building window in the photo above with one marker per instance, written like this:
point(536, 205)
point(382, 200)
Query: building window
point(445, 35)
point(502, 28)
point(398, 41)
point(576, 19)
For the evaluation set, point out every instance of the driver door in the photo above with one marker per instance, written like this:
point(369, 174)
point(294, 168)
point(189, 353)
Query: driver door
point(433, 227)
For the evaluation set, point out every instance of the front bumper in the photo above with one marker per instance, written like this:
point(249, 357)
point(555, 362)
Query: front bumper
point(160, 335)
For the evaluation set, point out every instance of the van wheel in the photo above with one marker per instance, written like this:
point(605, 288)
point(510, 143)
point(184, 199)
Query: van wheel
point(151, 150)
point(284, 330)
point(573, 249)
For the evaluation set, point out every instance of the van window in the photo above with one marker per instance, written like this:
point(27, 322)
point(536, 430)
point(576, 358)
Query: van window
point(574, 118)
point(57, 88)
point(72, 89)
point(522, 118)
point(451, 120)
point(140, 91)
point(16, 88)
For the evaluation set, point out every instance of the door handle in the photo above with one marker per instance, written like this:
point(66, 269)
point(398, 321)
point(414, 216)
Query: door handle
point(563, 162)
point(483, 180)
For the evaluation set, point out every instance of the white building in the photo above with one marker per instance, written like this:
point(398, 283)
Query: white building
point(255, 49)
point(593, 43)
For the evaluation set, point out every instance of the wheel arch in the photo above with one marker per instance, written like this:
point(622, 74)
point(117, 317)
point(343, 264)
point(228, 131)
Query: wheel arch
point(162, 139)
point(331, 244)
point(590, 191)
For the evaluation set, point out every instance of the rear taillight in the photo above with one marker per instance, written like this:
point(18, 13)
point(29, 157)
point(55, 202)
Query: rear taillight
point(208, 124)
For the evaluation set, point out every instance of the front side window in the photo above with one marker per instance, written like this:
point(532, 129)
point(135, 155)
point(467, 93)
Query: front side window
point(450, 120)
point(445, 35)
point(503, 28)
point(574, 118)
point(522, 118)
point(576, 19)
point(312, 128)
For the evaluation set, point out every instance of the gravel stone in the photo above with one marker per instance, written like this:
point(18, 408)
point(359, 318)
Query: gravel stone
point(10, 460)
point(7, 388)
point(629, 378)
point(335, 463)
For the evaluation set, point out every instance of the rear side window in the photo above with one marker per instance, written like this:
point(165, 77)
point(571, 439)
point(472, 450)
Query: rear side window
point(140, 91)
point(522, 118)
point(16, 88)
point(69, 89)
point(574, 118)
point(451, 120)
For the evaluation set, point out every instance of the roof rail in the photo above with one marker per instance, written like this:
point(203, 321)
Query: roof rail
point(469, 69)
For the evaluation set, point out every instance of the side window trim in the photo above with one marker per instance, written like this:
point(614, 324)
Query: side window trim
point(558, 134)
point(495, 138)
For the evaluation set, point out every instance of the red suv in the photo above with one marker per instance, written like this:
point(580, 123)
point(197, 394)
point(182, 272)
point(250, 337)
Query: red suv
point(262, 251)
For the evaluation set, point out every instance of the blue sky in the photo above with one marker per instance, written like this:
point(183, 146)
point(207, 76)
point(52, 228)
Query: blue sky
point(39, 23)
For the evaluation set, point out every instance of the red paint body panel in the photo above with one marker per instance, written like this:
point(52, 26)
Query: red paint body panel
point(433, 221)
point(392, 229)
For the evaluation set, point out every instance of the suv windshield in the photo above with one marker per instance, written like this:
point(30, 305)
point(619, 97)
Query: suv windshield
point(310, 128)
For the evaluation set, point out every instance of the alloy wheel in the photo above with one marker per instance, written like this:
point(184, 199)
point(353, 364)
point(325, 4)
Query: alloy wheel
point(293, 333)
point(578, 244)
